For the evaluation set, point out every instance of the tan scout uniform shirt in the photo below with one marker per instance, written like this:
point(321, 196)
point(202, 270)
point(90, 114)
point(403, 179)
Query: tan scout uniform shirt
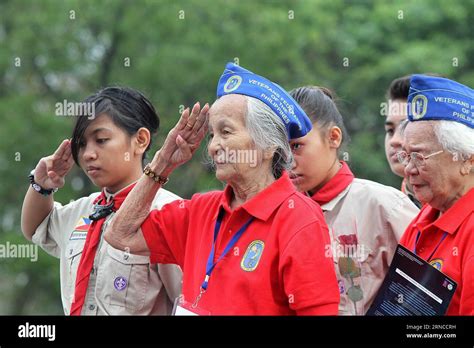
point(365, 221)
point(149, 288)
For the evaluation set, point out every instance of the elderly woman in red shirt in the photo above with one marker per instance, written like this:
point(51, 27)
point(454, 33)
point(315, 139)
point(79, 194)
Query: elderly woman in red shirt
point(257, 248)
point(439, 164)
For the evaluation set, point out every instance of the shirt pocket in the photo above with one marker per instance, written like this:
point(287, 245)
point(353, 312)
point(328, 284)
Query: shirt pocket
point(122, 280)
point(73, 253)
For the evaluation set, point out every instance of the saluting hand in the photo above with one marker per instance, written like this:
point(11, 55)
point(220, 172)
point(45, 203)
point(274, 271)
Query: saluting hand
point(50, 171)
point(184, 139)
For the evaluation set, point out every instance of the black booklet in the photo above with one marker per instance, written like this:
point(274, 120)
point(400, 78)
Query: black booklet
point(412, 287)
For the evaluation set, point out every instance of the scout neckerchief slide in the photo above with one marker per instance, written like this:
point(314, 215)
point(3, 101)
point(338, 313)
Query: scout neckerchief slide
point(101, 211)
point(192, 309)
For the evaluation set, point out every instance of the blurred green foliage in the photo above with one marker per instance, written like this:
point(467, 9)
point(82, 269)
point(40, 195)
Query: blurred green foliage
point(175, 51)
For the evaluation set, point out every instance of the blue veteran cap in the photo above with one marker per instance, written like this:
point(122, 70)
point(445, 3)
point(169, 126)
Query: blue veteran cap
point(237, 80)
point(437, 98)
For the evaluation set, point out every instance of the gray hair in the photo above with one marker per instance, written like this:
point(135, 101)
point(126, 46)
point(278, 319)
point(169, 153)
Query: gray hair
point(456, 138)
point(268, 132)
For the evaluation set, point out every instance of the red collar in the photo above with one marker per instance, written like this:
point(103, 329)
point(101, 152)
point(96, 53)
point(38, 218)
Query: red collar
point(335, 185)
point(265, 202)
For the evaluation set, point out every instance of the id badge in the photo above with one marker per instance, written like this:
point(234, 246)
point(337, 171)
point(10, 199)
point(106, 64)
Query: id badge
point(184, 308)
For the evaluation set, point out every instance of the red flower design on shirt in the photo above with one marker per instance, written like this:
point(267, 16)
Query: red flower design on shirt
point(348, 239)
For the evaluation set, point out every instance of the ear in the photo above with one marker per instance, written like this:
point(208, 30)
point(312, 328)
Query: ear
point(141, 140)
point(467, 166)
point(269, 153)
point(335, 137)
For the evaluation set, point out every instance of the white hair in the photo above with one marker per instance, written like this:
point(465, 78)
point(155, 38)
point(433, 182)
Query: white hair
point(268, 132)
point(455, 138)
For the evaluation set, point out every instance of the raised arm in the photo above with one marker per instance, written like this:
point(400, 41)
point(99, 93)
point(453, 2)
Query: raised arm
point(180, 144)
point(49, 174)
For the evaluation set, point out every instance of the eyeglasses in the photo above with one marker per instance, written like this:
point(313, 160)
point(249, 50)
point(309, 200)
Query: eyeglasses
point(417, 158)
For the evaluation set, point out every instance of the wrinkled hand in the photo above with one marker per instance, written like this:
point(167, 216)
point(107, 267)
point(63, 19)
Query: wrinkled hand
point(50, 171)
point(184, 139)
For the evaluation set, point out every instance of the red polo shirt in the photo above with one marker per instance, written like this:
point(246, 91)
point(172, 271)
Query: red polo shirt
point(455, 255)
point(291, 269)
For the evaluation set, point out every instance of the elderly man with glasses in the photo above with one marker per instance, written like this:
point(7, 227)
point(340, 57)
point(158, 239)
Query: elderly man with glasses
point(439, 164)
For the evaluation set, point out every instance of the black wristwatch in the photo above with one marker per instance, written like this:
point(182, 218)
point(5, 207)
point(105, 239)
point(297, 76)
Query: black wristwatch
point(38, 188)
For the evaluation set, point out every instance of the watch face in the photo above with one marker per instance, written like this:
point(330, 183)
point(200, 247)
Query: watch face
point(36, 187)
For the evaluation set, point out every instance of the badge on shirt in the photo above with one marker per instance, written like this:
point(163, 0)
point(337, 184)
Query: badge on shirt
point(120, 283)
point(252, 256)
point(81, 229)
point(437, 263)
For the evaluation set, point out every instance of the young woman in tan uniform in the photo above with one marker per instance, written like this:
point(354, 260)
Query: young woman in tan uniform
point(110, 146)
point(365, 219)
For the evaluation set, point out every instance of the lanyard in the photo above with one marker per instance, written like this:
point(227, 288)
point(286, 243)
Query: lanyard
point(210, 260)
point(436, 248)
